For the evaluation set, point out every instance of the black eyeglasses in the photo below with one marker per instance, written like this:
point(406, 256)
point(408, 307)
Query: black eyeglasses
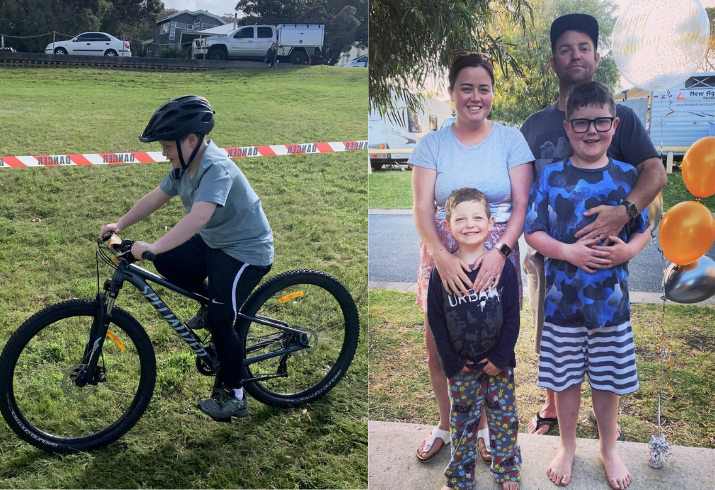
point(602, 124)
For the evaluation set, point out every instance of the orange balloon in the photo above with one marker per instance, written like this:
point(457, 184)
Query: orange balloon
point(687, 231)
point(698, 167)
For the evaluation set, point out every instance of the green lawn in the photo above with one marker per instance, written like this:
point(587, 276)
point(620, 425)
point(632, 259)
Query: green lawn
point(316, 204)
point(391, 189)
point(400, 389)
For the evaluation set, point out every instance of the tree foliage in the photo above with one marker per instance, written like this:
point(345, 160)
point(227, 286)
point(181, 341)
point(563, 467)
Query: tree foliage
point(536, 87)
point(411, 40)
point(346, 21)
point(20, 19)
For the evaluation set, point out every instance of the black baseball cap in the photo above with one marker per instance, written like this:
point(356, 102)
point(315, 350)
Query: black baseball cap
point(574, 22)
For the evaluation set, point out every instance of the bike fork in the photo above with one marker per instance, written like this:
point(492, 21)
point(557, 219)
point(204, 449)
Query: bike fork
point(87, 370)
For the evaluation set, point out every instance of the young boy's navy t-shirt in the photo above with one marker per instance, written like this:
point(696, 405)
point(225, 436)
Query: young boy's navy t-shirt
point(557, 201)
point(480, 325)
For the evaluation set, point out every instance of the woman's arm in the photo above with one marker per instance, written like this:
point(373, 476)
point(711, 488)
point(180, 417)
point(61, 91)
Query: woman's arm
point(521, 177)
point(450, 267)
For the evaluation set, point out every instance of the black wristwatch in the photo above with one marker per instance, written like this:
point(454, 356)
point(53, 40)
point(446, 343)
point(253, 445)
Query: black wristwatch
point(503, 248)
point(631, 208)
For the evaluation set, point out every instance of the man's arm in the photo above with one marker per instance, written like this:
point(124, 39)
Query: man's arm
point(611, 219)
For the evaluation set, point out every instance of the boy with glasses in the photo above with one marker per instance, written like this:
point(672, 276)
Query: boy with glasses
point(587, 325)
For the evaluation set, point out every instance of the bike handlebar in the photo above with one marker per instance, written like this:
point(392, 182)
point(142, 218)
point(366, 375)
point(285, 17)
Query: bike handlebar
point(122, 249)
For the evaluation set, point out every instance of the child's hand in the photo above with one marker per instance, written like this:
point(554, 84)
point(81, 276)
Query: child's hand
point(585, 255)
point(139, 248)
point(490, 368)
point(113, 227)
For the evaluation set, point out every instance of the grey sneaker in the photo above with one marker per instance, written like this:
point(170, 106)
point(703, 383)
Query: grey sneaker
point(199, 320)
point(223, 405)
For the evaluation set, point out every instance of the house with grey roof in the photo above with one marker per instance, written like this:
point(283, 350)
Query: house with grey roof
point(180, 29)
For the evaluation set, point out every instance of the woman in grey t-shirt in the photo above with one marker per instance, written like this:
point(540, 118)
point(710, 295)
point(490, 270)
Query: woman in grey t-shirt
point(473, 152)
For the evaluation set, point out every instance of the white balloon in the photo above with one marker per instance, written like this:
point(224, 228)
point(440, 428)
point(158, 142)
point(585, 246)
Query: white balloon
point(658, 44)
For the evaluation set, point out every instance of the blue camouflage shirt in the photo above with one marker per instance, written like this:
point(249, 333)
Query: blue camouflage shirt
point(557, 201)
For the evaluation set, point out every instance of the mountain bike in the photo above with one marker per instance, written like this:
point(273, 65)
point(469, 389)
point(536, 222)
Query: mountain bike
point(78, 375)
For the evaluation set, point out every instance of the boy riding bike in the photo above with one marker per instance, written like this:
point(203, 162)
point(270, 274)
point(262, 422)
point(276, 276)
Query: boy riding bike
point(225, 236)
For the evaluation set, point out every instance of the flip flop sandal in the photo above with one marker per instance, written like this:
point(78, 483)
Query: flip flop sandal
point(484, 435)
point(550, 422)
point(592, 417)
point(440, 435)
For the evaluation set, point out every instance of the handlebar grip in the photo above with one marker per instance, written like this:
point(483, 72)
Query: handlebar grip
point(148, 256)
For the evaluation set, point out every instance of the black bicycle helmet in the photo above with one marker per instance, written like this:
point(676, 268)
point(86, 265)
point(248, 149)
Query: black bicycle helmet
point(179, 118)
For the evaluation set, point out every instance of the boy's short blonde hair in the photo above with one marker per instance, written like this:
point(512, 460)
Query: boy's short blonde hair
point(462, 195)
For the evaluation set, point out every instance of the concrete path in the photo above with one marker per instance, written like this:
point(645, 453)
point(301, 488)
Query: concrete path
point(393, 465)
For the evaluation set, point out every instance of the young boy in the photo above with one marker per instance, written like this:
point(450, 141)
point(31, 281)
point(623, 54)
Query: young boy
point(475, 337)
point(225, 236)
point(587, 325)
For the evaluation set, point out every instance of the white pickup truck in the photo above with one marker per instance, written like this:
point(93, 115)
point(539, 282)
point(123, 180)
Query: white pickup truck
point(295, 43)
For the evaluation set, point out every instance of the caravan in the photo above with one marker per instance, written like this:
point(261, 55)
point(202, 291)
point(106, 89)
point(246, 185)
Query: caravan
point(386, 134)
point(678, 117)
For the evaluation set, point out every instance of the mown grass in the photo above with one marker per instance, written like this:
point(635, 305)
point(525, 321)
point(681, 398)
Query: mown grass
point(400, 390)
point(316, 204)
point(390, 189)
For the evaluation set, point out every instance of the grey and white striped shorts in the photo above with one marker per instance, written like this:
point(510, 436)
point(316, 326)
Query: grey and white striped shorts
point(607, 354)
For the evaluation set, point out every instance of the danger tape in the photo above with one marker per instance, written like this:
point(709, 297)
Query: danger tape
point(156, 156)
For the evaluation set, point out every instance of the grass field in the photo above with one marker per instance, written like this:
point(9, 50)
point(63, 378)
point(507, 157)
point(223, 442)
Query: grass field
point(392, 189)
point(316, 204)
point(400, 389)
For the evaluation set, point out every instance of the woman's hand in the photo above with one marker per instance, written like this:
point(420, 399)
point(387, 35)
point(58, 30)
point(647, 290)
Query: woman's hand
point(139, 248)
point(585, 255)
point(492, 262)
point(452, 271)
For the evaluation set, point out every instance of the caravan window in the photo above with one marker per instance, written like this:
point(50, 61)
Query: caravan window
point(700, 82)
point(413, 122)
point(433, 123)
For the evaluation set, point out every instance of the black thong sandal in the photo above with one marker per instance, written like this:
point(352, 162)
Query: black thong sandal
point(550, 422)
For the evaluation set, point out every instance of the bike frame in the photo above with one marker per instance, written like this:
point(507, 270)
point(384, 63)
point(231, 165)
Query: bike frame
point(138, 277)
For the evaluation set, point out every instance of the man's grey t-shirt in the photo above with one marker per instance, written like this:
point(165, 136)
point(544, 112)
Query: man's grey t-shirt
point(544, 132)
point(484, 166)
point(238, 226)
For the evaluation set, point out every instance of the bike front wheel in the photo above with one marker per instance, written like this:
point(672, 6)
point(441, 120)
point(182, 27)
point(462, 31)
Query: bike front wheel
point(42, 400)
point(317, 305)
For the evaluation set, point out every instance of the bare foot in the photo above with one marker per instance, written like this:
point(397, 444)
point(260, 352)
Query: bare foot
point(445, 487)
point(482, 447)
point(559, 471)
point(510, 485)
point(616, 471)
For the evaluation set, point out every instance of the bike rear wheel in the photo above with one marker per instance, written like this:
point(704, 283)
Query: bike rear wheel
point(42, 401)
point(312, 302)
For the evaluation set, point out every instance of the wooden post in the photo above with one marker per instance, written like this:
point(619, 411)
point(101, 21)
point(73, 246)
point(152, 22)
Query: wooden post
point(669, 163)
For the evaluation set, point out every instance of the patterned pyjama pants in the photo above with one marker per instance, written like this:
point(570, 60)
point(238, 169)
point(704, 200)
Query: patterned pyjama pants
point(468, 393)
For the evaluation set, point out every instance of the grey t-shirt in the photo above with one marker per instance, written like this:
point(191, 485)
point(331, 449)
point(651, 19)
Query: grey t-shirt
point(484, 166)
point(238, 226)
point(544, 132)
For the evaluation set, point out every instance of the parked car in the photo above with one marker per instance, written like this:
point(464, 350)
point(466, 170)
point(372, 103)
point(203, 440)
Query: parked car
point(360, 61)
point(92, 44)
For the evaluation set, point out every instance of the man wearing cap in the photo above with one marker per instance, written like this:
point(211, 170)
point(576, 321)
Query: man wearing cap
point(574, 40)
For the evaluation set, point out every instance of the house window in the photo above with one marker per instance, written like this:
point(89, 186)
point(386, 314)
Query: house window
point(165, 28)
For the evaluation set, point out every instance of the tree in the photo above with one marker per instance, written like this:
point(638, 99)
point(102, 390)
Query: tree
point(709, 63)
point(537, 87)
point(413, 39)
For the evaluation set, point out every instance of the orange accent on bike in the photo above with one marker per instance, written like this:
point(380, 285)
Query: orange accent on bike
point(290, 296)
point(116, 340)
